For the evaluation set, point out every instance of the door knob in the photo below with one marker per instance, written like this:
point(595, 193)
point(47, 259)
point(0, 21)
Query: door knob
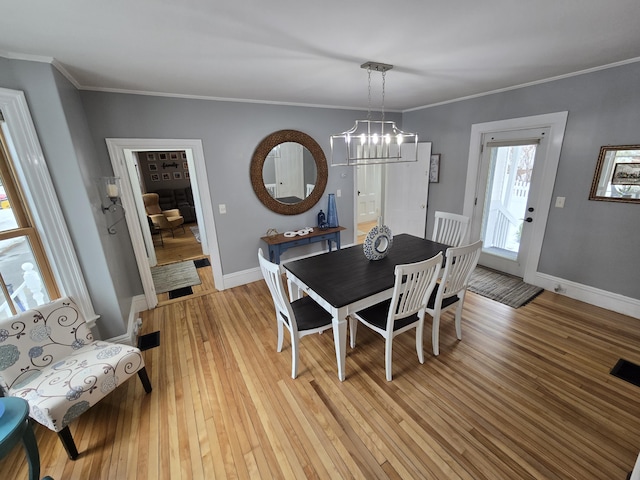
point(528, 219)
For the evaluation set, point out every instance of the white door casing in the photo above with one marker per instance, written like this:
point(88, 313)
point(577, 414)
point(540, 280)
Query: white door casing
point(120, 152)
point(556, 122)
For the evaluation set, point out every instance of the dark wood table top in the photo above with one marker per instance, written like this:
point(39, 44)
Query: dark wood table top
point(346, 276)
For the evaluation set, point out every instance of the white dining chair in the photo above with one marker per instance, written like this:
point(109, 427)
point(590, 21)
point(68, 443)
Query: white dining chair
point(450, 229)
point(405, 310)
point(450, 292)
point(301, 317)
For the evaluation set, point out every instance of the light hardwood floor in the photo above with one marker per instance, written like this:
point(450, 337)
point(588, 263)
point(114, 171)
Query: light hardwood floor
point(177, 247)
point(180, 247)
point(363, 230)
point(526, 394)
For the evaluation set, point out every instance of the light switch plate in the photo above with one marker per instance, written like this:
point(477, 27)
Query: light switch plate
point(222, 208)
point(560, 202)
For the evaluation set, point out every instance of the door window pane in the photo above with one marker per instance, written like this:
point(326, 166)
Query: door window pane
point(506, 198)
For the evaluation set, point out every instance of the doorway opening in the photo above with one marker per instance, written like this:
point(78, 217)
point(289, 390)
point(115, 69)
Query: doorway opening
point(165, 183)
point(369, 180)
point(394, 194)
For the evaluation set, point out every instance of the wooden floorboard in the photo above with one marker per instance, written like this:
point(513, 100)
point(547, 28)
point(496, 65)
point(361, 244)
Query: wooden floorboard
point(527, 394)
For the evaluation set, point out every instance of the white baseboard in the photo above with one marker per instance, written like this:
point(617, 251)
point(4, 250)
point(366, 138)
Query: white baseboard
point(254, 274)
point(584, 293)
point(593, 296)
point(138, 304)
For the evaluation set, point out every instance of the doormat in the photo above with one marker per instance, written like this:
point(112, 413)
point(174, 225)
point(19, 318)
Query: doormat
point(180, 292)
point(627, 371)
point(150, 340)
point(202, 262)
point(503, 288)
point(196, 233)
point(174, 276)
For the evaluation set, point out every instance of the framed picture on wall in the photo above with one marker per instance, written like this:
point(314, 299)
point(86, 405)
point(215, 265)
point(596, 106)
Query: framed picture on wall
point(185, 165)
point(166, 176)
point(153, 167)
point(173, 156)
point(151, 156)
point(162, 156)
point(183, 155)
point(177, 175)
point(434, 168)
point(186, 175)
point(155, 177)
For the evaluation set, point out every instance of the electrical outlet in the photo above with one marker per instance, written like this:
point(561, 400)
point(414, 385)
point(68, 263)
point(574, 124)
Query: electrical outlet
point(222, 208)
point(136, 326)
point(338, 193)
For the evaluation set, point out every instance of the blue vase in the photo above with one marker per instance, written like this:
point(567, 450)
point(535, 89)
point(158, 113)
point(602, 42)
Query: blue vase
point(332, 211)
point(322, 219)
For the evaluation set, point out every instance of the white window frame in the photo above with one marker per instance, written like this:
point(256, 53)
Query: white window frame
point(33, 175)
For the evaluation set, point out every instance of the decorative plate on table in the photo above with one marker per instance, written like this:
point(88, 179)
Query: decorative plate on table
point(378, 242)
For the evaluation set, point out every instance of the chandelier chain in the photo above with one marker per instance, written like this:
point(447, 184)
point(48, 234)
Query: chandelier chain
point(369, 107)
point(384, 74)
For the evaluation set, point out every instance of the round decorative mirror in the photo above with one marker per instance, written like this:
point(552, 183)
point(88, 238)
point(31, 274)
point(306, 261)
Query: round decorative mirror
point(288, 172)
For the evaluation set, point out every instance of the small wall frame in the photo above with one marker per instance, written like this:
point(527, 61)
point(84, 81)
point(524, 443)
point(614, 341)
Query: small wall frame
point(617, 175)
point(434, 168)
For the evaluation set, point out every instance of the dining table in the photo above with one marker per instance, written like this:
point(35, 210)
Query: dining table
point(345, 281)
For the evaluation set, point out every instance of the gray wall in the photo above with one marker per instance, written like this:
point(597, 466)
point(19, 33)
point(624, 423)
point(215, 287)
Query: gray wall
point(589, 242)
point(230, 132)
point(68, 148)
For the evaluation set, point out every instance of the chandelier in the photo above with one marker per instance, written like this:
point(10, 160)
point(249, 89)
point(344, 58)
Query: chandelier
point(373, 141)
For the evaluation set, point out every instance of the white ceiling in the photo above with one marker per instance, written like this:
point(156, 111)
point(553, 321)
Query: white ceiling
point(295, 51)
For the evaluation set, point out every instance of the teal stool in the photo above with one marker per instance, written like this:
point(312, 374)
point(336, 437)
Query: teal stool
point(14, 427)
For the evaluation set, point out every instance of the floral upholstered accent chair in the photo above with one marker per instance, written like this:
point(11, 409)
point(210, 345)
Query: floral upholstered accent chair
point(49, 358)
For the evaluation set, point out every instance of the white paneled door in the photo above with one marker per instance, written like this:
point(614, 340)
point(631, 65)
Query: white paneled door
point(406, 193)
point(369, 192)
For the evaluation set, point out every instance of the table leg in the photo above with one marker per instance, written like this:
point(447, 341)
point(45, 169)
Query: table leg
point(295, 292)
point(340, 340)
point(33, 456)
point(274, 254)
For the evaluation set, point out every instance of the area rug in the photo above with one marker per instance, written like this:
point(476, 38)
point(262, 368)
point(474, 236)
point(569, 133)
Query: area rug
point(174, 276)
point(196, 232)
point(502, 288)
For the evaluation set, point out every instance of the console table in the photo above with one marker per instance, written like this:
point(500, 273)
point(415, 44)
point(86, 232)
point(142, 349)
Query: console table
point(278, 244)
